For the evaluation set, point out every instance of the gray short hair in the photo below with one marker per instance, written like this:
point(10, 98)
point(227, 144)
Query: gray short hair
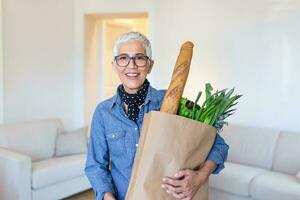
point(125, 37)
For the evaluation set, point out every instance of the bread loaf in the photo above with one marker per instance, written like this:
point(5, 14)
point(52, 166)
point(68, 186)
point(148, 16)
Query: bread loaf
point(181, 71)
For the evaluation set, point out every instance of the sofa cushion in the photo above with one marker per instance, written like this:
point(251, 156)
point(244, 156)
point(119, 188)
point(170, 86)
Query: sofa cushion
point(71, 142)
point(215, 194)
point(285, 159)
point(251, 146)
point(55, 170)
point(34, 138)
point(275, 186)
point(235, 178)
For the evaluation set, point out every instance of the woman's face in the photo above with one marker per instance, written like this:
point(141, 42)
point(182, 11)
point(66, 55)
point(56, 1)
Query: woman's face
point(132, 76)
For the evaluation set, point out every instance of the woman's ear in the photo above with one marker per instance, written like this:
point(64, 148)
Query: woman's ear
point(150, 67)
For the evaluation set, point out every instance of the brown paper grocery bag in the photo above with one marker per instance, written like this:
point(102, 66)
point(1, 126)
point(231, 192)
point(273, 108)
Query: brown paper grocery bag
point(167, 144)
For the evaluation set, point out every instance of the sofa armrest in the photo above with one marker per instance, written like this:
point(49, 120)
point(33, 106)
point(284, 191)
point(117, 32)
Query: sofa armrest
point(15, 175)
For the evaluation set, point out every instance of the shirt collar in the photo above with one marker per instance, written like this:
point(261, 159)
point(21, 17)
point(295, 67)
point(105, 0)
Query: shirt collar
point(116, 100)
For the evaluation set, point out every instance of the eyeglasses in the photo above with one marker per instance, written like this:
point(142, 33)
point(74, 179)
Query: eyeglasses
point(139, 60)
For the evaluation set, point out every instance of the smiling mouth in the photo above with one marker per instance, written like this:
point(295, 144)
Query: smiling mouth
point(132, 75)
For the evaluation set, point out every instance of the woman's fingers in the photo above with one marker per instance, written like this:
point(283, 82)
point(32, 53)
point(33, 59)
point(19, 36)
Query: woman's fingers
point(184, 184)
point(173, 182)
point(182, 173)
point(172, 189)
point(176, 192)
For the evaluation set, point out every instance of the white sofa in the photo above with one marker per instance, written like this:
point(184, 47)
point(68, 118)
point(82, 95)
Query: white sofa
point(28, 167)
point(262, 165)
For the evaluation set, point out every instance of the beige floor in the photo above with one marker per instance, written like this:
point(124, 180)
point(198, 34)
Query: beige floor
point(86, 195)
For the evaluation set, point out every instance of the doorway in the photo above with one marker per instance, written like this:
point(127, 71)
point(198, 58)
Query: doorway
point(100, 33)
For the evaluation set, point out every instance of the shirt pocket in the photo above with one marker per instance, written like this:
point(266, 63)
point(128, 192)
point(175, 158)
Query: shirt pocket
point(116, 142)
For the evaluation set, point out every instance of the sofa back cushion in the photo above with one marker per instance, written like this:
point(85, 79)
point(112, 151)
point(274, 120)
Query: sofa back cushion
point(251, 146)
point(287, 152)
point(33, 138)
point(71, 142)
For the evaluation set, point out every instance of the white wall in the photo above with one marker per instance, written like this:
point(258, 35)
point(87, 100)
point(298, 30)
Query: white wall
point(253, 45)
point(250, 44)
point(38, 43)
point(1, 66)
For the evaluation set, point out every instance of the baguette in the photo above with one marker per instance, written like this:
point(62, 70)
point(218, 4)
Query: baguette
point(171, 100)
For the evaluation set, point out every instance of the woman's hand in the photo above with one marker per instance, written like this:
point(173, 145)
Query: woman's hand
point(109, 196)
point(186, 183)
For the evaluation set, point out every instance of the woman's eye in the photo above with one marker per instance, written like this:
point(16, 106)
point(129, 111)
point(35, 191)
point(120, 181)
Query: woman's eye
point(141, 58)
point(123, 58)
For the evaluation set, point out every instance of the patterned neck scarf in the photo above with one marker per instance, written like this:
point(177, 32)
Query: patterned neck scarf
point(134, 100)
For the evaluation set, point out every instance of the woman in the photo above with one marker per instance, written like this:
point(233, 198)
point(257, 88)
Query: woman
point(117, 123)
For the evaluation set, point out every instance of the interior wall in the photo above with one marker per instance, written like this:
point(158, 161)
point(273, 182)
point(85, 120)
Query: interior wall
point(1, 65)
point(91, 70)
point(251, 45)
point(38, 56)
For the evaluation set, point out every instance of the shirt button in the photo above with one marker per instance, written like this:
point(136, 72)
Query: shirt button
point(136, 145)
point(113, 136)
point(135, 129)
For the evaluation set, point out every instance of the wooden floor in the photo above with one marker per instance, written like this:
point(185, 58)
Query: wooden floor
point(86, 195)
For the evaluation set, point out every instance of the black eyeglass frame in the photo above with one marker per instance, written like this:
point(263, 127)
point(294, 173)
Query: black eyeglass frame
point(131, 58)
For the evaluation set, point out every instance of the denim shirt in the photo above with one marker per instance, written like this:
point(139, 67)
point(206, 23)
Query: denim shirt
point(114, 139)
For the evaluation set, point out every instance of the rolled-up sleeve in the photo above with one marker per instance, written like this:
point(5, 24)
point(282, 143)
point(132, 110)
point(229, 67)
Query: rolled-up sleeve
point(97, 163)
point(218, 153)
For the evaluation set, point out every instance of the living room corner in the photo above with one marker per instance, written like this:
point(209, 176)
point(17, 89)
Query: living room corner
point(57, 65)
